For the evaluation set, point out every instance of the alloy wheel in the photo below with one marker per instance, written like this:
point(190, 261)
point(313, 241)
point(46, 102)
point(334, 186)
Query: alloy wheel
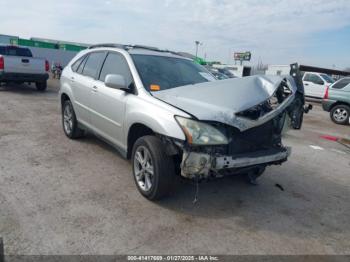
point(143, 168)
point(340, 114)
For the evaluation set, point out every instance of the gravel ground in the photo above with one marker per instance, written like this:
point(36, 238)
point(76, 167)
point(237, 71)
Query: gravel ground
point(59, 196)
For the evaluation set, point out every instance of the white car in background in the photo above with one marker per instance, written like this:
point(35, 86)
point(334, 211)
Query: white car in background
point(315, 84)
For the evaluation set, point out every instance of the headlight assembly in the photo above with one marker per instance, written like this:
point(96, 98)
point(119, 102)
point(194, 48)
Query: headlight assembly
point(198, 133)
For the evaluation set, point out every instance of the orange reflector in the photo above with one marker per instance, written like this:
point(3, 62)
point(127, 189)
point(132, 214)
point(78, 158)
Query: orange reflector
point(155, 87)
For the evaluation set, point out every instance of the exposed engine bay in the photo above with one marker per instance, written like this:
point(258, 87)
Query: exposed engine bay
point(254, 132)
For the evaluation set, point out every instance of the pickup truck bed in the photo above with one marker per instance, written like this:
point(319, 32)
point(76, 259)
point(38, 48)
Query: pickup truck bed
point(18, 65)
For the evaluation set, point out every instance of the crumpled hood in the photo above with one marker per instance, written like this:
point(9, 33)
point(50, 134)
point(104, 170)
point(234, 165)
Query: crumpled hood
point(221, 100)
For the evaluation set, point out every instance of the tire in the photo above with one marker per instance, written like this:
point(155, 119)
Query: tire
point(69, 121)
point(340, 114)
point(41, 86)
point(159, 162)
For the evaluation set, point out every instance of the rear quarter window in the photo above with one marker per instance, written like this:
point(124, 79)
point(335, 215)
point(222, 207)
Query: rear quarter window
point(77, 63)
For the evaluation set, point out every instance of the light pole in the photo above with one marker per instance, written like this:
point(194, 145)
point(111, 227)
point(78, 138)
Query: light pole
point(197, 44)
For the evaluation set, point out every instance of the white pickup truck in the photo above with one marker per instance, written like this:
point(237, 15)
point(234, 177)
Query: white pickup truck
point(316, 84)
point(18, 65)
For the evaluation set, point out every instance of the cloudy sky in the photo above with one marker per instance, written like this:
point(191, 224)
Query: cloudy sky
point(315, 32)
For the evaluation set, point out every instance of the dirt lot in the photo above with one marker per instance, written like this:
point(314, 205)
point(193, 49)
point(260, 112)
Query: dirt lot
point(59, 196)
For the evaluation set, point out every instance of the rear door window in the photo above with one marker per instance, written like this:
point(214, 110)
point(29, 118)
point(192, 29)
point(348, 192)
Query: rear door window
point(116, 64)
point(93, 64)
point(341, 83)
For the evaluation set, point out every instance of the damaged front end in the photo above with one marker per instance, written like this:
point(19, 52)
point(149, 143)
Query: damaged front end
point(252, 149)
point(253, 142)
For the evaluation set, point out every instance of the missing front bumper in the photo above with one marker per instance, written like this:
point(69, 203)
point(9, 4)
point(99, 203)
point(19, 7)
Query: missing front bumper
point(202, 164)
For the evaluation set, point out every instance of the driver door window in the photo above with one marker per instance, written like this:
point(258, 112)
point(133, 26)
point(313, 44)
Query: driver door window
point(116, 64)
point(315, 79)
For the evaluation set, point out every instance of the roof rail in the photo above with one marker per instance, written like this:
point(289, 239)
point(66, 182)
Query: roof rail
point(128, 47)
point(151, 48)
point(108, 45)
point(146, 47)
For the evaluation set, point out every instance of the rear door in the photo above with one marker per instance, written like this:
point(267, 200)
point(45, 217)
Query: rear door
point(83, 83)
point(108, 104)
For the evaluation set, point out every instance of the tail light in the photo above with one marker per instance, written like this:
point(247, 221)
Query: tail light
point(326, 93)
point(2, 63)
point(47, 66)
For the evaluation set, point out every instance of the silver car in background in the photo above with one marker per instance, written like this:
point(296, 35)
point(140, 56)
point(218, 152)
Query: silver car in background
point(171, 117)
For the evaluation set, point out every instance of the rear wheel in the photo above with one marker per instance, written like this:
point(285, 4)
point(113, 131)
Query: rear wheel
point(340, 114)
point(41, 86)
point(153, 169)
point(69, 121)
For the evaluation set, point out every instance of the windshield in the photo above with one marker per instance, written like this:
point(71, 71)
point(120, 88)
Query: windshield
point(328, 78)
point(169, 72)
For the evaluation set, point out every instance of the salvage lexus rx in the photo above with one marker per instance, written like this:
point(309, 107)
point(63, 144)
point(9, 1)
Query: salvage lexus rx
point(170, 116)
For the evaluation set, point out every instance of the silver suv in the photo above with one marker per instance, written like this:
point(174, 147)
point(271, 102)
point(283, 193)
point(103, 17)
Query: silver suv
point(171, 117)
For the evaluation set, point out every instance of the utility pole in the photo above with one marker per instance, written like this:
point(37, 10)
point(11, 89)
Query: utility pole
point(197, 44)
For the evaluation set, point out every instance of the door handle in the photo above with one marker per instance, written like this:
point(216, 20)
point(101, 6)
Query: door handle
point(72, 79)
point(306, 84)
point(94, 88)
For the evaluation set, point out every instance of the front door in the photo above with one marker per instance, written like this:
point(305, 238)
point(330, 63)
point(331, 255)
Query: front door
point(108, 104)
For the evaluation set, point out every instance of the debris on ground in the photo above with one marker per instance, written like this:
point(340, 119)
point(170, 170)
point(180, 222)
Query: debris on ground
point(279, 187)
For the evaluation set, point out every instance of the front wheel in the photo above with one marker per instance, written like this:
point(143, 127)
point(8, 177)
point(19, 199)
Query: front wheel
point(340, 114)
point(153, 169)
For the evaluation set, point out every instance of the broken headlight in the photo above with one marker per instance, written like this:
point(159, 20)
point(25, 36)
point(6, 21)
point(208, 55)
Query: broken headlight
point(199, 133)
